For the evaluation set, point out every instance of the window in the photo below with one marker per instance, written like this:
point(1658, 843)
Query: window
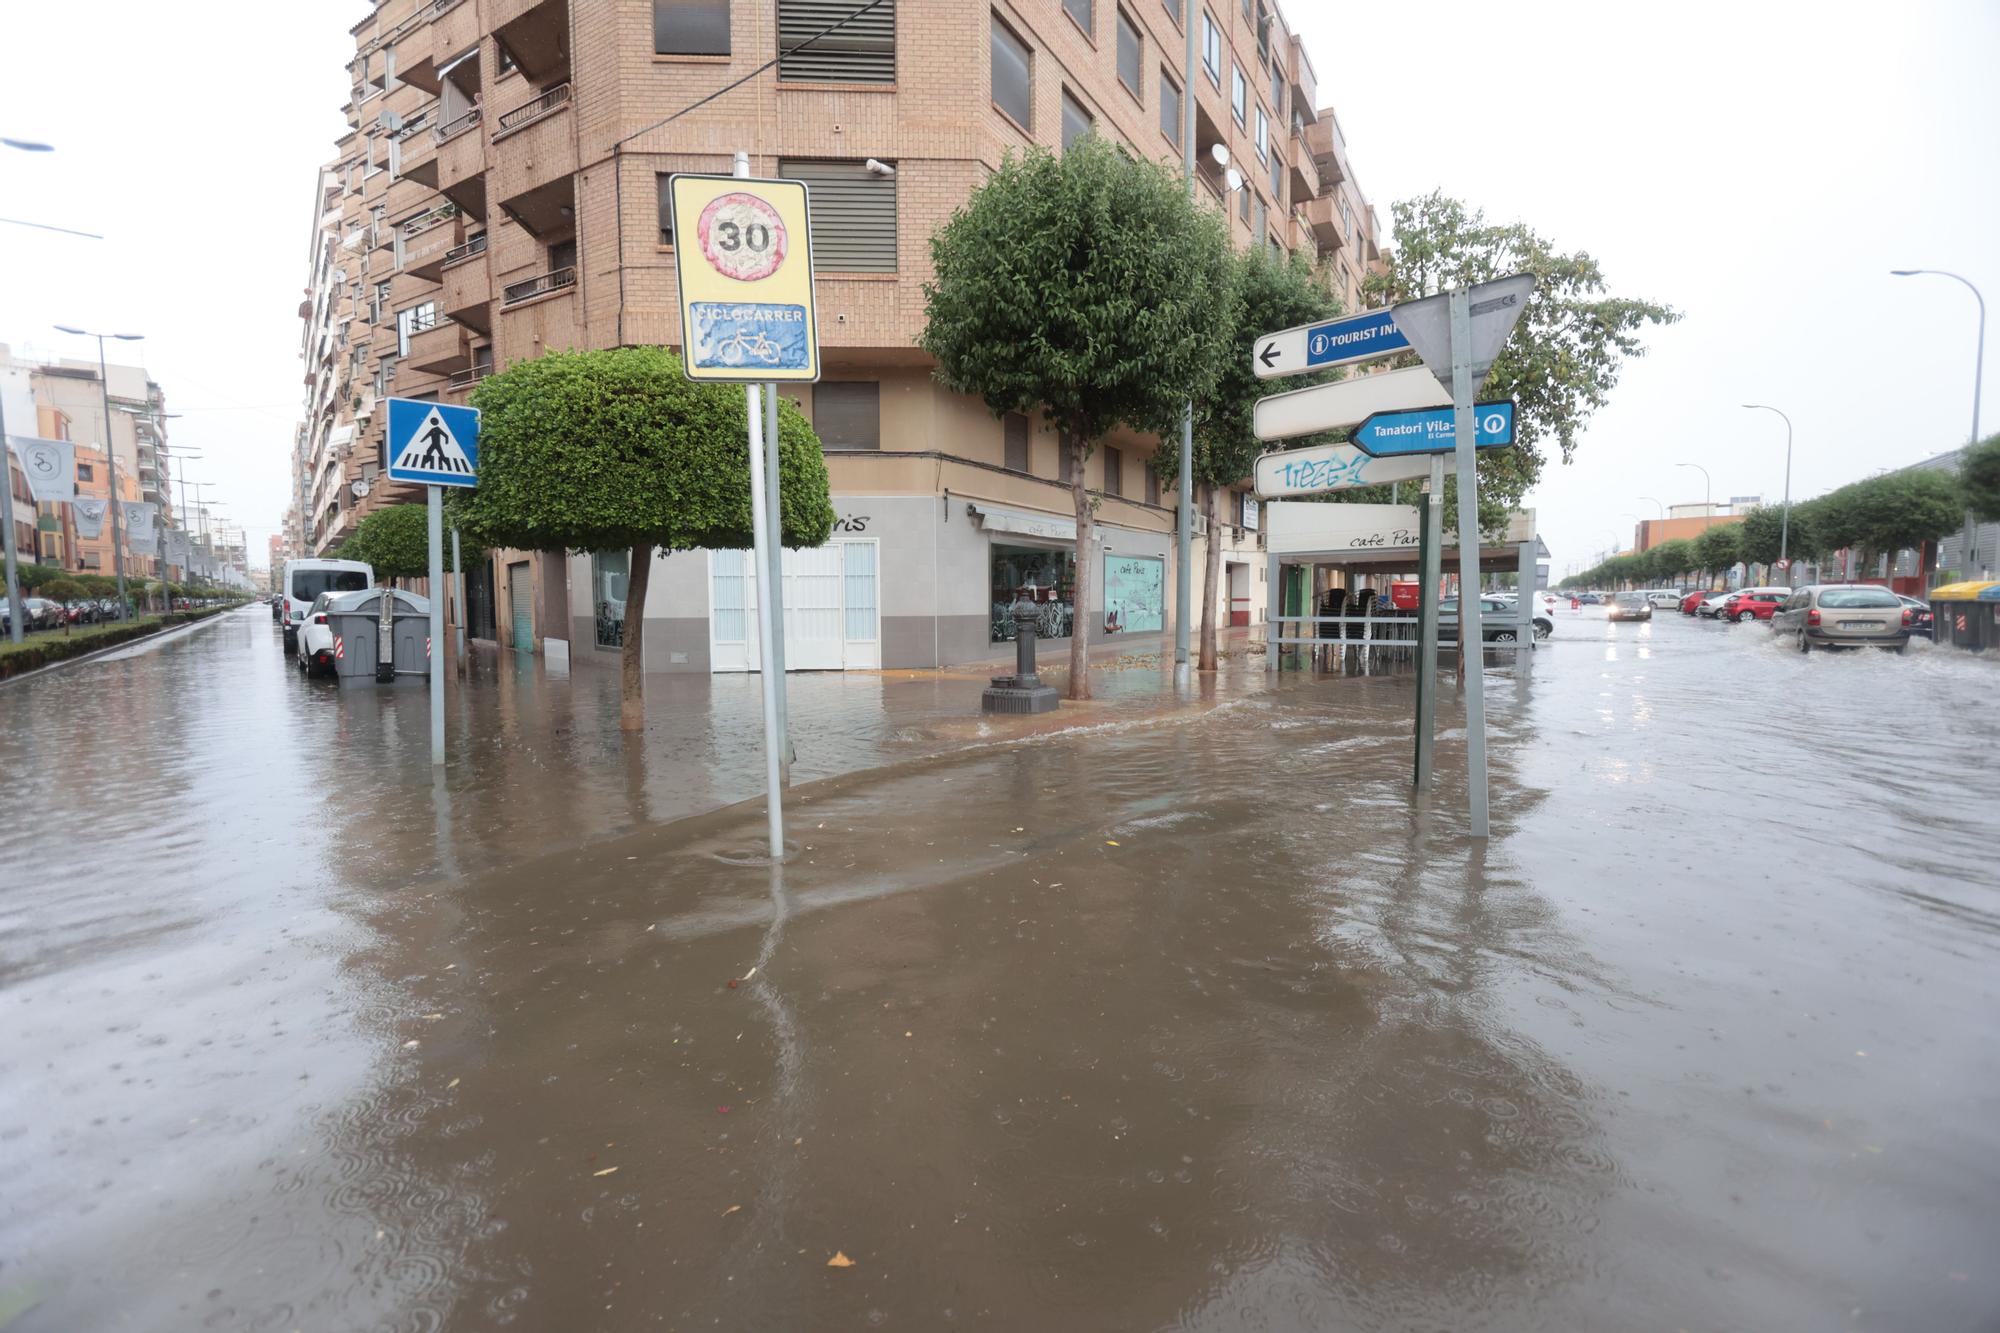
point(848, 415)
point(376, 314)
point(1243, 203)
point(562, 254)
point(666, 210)
point(853, 215)
point(1278, 91)
point(416, 319)
point(1170, 108)
point(1114, 472)
point(84, 473)
point(1013, 75)
point(1239, 95)
point(1014, 443)
point(1152, 486)
point(1047, 576)
point(1079, 11)
point(1277, 180)
point(610, 571)
point(1263, 135)
point(1211, 48)
point(1131, 51)
point(861, 50)
point(506, 63)
point(1075, 120)
point(691, 27)
point(1174, 8)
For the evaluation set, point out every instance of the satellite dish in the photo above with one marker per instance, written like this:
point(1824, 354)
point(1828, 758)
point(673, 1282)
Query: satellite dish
point(1235, 179)
point(1220, 152)
point(360, 488)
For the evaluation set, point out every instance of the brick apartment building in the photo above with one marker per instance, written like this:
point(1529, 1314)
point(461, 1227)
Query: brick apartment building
point(501, 192)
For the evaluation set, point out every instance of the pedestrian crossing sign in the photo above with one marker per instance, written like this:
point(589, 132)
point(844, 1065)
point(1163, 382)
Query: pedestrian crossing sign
point(434, 444)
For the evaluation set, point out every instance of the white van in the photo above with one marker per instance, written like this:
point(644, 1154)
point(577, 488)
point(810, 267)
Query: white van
point(305, 580)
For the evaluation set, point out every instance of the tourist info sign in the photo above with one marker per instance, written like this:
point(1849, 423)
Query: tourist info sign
point(433, 443)
point(1334, 342)
point(743, 262)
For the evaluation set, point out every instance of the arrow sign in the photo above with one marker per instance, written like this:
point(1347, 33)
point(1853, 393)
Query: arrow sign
point(1331, 467)
point(1496, 305)
point(1335, 342)
point(1432, 431)
point(1339, 406)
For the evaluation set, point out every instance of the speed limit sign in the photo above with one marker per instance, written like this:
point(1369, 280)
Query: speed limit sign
point(743, 260)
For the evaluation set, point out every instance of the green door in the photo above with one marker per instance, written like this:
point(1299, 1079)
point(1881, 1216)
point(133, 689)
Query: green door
point(521, 600)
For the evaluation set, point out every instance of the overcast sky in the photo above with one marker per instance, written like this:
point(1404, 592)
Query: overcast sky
point(1760, 167)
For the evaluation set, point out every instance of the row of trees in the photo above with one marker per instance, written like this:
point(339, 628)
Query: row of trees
point(1090, 288)
point(70, 587)
point(1876, 517)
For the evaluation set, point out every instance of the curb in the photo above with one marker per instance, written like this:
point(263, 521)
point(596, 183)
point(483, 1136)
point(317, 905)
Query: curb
point(91, 656)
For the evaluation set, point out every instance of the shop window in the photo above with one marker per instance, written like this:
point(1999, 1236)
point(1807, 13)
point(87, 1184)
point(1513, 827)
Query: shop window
point(691, 27)
point(1013, 75)
point(1014, 443)
point(1047, 576)
point(848, 415)
point(610, 571)
point(1135, 600)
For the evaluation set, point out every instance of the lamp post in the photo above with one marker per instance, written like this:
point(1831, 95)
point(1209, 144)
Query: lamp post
point(1707, 494)
point(15, 610)
point(1978, 375)
point(1184, 538)
point(110, 454)
point(1784, 522)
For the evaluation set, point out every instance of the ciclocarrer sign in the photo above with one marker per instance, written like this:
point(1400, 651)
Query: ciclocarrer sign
point(434, 444)
point(743, 261)
point(1433, 431)
point(1334, 342)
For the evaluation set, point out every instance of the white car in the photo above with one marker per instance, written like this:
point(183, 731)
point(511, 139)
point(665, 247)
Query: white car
point(1711, 605)
point(314, 636)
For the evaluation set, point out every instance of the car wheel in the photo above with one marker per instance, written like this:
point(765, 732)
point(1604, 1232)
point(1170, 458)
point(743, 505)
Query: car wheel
point(1544, 628)
point(1503, 636)
point(1805, 644)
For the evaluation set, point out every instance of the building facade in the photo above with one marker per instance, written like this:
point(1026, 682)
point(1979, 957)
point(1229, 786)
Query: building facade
point(501, 192)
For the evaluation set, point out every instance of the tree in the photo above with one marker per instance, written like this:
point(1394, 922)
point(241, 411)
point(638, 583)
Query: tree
point(34, 578)
point(1718, 548)
point(1564, 357)
point(1979, 473)
point(1091, 287)
point(1268, 294)
point(618, 450)
point(1672, 559)
point(1903, 511)
point(394, 541)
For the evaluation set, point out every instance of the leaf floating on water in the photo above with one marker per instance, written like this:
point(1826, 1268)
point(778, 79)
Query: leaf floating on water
point(449, 1086)
point(609, 1170)
point(747, 975)
point(732, 1208)
point(1111, 842)
point(839, 1260)
point(411, 1045)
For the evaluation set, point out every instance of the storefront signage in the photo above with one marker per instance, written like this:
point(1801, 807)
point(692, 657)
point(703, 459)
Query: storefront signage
point(1027, 525)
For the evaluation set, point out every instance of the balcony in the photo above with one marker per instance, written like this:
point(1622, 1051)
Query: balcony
point(1304, 183)
point(535, 108)
point(407, 198)
point(416, 147)
point(423, 241)
point(461, 163)
point(1305, 84)
point(439, 350)
point(537, 32)
point(1322, 216)
point(468, 288)
point(519, 293)
point(1329, 152)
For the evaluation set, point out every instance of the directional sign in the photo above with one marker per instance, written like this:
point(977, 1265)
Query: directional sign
point(1339, 406)
point(743, 265)
point(1496, 306)
point(1336, 342)
point(1331, 467)
point(1432, 431)
point(433, 443)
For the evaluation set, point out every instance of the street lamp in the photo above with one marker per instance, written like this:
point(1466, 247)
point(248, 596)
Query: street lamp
point(1785, 522)
point(1650, 500)
point(1978, 373)
point(110, 453)
point(1707, 494)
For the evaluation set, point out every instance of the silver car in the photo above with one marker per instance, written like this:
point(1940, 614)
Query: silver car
point(1844, 615)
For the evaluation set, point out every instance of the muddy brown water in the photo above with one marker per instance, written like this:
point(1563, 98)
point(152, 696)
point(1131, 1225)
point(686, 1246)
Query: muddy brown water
point(1176, 1019)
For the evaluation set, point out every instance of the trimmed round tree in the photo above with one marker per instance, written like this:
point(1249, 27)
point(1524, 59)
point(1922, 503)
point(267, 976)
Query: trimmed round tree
point(1088, 286)
point(618, 450)
point(394, 541)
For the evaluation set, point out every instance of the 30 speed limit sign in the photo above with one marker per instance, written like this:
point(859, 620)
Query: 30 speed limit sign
point(743, 259)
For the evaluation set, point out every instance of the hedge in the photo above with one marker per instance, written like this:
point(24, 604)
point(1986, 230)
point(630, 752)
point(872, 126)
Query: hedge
point(32, 654)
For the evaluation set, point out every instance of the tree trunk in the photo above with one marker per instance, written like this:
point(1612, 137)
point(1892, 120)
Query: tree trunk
point(1211, 567)
point(632, 657)
point(1074, 447)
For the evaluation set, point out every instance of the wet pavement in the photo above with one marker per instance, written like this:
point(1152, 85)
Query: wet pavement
point(1158, 1017)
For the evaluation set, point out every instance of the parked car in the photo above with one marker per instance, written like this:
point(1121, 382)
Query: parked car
point(1629, 606)
point(1845, 615)
point(1499, 622)
point(305, 580)
point(1923, 625)
point(1691, 602)
point(1590, 599)
point(41, 613)
point(1753, 604)
point(1711, 605)
point(1662, 599)
point(314, 637)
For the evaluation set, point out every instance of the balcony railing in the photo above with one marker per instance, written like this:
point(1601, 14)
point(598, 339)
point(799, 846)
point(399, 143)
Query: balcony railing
point(458, 125)
point(553, 100)
point(417, 123)
point(427, 219)
point(465, 379)
point(475, 246)
point(515, 293)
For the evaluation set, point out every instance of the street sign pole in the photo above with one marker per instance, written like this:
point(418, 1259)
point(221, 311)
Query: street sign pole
point(775, 577)
point(458, 601)
point(1468, 562)
point(434, 644)
point(1427, 630)
point(761, 536)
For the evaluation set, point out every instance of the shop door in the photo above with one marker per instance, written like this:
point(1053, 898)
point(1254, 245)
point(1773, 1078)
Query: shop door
point(813, 615)
point(1239, 594)
point(830, 609)
point(521, 601)
point(479, 600)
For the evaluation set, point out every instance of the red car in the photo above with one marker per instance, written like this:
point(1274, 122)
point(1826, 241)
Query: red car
point(1693, 600)
point(1749, 605)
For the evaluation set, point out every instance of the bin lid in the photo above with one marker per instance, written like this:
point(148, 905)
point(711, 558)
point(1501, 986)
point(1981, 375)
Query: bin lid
point(369, 600)
point(1975, 590)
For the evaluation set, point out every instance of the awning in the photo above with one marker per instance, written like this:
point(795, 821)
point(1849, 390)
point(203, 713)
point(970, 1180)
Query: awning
point(1046, 526)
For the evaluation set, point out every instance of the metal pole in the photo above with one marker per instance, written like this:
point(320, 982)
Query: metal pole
point(776, 578)
point(434, 642)
point(761, 536)
point(1427, 625)
point(111, 466)
point(1468, 563)
point(1184, 538)
point(1785, 519)
point(458, 597)
point(15, 610)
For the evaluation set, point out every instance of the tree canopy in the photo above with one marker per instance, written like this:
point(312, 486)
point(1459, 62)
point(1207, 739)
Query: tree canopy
point(1979, 473)
point(394, 541)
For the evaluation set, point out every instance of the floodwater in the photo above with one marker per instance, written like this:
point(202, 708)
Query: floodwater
point(1175, 1018)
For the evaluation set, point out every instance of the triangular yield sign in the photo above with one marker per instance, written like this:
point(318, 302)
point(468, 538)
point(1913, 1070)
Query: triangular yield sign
point(434, 448)
point(1496, 306)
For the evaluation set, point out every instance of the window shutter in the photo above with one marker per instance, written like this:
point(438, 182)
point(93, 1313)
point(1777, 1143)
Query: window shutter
point(861, 50)
point(853, 216)
point(848, 414)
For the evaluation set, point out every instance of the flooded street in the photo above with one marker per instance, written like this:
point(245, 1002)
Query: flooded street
point(1172, 1018)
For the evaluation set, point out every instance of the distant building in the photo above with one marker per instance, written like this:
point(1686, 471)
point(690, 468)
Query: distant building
point(1653, 531)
